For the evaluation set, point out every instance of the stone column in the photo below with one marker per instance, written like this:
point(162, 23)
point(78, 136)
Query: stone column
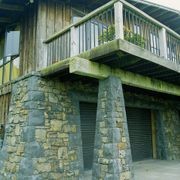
point(112, 154)
point(168, 133)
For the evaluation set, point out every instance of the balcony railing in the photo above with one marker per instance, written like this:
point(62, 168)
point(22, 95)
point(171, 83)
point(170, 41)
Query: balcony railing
point(116, 19)
point(9, 69)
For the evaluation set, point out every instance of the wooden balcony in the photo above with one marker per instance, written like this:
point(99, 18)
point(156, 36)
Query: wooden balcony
point(146, 46)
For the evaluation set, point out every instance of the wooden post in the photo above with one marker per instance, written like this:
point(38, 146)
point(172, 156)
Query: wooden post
point(74, 41)
point(118, 11)
point(163, 43)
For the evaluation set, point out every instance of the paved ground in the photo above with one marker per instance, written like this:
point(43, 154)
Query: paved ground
point(157, 170)
point(152, 170)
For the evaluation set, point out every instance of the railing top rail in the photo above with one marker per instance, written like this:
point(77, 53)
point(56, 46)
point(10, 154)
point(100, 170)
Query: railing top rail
point(95, 12)
point(149, 18)
point(54, 36)
point(104, 7)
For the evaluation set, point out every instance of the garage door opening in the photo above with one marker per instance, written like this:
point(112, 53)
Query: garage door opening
point(88, 126)
point(140, 133)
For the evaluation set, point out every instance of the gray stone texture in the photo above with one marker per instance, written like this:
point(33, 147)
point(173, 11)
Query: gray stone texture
point(168, 134)
point(112, 156)
point(43, 139)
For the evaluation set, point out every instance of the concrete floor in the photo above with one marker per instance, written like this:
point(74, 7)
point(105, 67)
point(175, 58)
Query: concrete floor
point(151, 170)
point(157, 170)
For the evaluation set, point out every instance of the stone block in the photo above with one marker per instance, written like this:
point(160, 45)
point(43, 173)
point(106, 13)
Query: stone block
point(32, 83)
point(17, 130)
point(53, 98)
point(36, 118)
point(40, 135)
point(125, 175)
point(3, 155)
point(114, 166)
point(111, 177)
point(110, 151)
point(32, 177)
point(33, 150)
point(43, 167)
point(56, 125)
point(28, 134)
point(36, 96)
point(26, 166)
point(30, 105)
point(62, 153)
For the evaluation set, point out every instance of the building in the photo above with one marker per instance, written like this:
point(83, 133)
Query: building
point(87, 85)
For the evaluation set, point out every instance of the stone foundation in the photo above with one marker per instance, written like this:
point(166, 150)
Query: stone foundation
point(168, 134)
point(43, 139)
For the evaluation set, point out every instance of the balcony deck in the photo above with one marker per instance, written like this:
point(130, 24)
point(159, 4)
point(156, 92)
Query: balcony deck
point(120, 36)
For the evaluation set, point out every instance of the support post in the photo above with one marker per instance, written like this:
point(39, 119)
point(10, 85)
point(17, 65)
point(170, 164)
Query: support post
point(118, 11)
point(112, 153)
point(163, 43)
point(74, 41)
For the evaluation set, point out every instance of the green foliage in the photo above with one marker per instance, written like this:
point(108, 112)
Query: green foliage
point(109, 34)
point(134, 38)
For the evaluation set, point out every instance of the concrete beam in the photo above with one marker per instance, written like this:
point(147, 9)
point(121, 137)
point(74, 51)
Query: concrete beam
point(88, 68)
point(56, 67)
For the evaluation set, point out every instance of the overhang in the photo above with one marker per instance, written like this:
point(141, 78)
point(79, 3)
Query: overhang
point(169, 17)
point(135, 66)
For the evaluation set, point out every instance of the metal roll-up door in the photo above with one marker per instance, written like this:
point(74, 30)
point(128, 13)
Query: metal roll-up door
point(140, 133)
point(88, 126)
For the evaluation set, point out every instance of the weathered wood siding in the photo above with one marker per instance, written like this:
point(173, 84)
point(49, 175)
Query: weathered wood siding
point(40, 22)
point(4, 107)
point(1, 46)
point(52, 17)
point(28, 40)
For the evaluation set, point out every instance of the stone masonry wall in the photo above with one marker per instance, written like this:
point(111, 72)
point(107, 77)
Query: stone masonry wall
point(42, 139)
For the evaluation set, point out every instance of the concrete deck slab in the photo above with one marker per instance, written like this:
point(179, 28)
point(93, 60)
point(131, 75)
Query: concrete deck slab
point(157, 170)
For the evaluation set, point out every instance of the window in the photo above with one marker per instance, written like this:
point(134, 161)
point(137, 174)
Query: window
point(9, 54)
point(12, 43)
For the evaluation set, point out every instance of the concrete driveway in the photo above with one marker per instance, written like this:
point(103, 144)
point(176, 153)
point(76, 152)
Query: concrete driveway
point(157, 170)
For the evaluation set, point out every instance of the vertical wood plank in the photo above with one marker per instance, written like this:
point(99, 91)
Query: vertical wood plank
point(41, 53)
point(4, 108)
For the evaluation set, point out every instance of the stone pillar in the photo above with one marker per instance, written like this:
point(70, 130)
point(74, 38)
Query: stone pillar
point(168, 134)
point(42, 135)
point(112, 154)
